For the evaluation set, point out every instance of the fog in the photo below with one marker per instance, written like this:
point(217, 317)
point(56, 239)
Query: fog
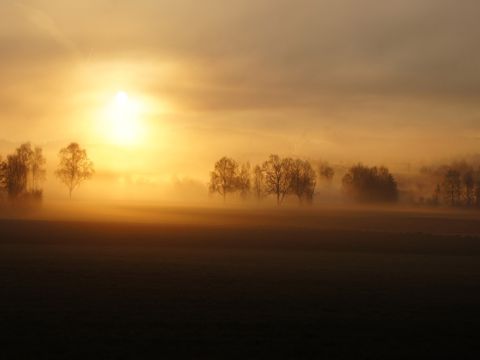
point(374, 82)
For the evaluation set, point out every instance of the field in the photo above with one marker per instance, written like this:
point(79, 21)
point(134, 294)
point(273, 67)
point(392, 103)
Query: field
point(241, 283)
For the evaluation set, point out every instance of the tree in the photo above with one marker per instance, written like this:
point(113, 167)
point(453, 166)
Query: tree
point(37, 168)
point(259, 182)
point(75, 167)
point(22, 171)
point(243, 184)
point(452, 187)
point(3, 176)
point(16, 174)
point(277, 179)
point(468, 180)
point(374, 184)
point(302, 180)
point(436, 195)
point(477, 188)
point(224, 177)
point(326, 172)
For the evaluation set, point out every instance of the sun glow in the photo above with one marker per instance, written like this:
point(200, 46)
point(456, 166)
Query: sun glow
point(122, 120)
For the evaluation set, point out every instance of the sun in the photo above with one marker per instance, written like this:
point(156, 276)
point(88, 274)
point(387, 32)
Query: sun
point(123, 125)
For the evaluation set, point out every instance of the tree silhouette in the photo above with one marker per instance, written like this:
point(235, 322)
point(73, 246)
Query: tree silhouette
point(259, 182)
point(224, 177)
point(243, 184)
point(374, 184)
point(436, 195)
point(74, 168)
point(277, 176)
point(468, 181)
point(3, 176)
point(452, 187)
point(302, 180)
point(37, 168)
point(477, 188)
point(22, 171)
point(16, 173)
point(326, 172)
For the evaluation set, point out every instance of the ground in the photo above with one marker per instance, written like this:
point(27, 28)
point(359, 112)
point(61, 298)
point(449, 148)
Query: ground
point(353, 284)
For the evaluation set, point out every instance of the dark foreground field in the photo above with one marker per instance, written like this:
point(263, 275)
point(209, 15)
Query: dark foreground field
point(286, 287)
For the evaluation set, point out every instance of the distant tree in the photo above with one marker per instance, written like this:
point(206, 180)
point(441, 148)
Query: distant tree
point(37, 168)
point(302, 180)
point(25, 153)
point(75, 167)
point(259, 182)
point(16, 174)
point(476, 192)
point(452, 187)
point(468, 180)
point(21, 172)
point(436, 195)
point(224, 177)
point(243, 183)
point(370, 184)
point(3, 177)
point(277, 176)
point(326, 172)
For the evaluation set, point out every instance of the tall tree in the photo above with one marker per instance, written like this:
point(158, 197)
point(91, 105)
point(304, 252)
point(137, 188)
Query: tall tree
point(16, 174)
point(34, 161)
point(224, 177)
point(75, 167)
point(37, 168)
point(436, 195)
point(277, 178)
point(477, 188)
point(3, 176)
point(244, 182)
point(302, 180)
point(468, 180)
point(452, 187)
point(259, 182)
point(326, 172)
point(370, 184)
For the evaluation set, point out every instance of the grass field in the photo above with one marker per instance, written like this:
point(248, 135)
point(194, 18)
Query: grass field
point(218, 283)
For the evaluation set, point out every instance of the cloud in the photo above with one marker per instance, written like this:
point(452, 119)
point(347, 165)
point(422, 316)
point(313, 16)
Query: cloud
point(45, 24)
point(354, 75)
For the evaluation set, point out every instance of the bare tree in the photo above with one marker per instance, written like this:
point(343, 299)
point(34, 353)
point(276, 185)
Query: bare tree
point(326, 172)
point(477, 188)
point(75, 167)
point(3, 177)
point(436, 195)
point(370, 184)
point(452, 187)
point(34, 161)
point(16, 173)
point(25, 153)
point(224, 177)
point(37, 168)
point(243, 180)
point(259, 182)
point(277, 179)
point(302, 180)
point(468, 180)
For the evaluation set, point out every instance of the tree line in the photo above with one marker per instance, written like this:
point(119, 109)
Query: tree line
point(23, 172)
point(458, 185)
point(281, 177)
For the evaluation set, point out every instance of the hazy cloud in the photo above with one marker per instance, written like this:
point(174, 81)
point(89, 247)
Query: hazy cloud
point(378, 73)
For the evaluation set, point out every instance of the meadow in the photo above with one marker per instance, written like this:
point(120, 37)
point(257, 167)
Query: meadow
point(241, 283)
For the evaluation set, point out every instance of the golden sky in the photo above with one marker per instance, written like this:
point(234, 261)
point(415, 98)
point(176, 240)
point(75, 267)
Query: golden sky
point(343, 80)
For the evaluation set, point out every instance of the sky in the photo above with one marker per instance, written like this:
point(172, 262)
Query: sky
point(376, 81)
